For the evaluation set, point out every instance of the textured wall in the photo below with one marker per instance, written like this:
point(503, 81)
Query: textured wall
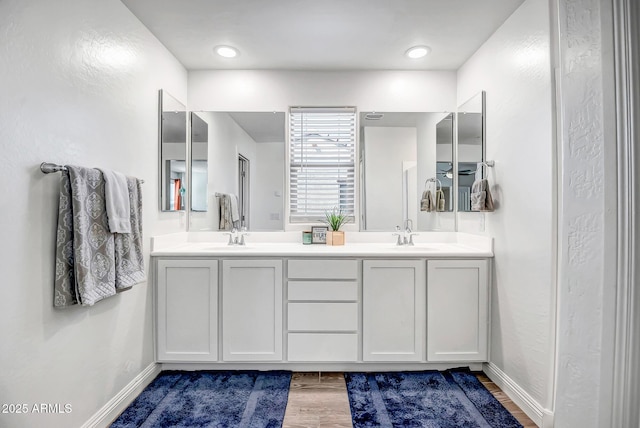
point(513, 66)
point(587, 216)
point(79, 81)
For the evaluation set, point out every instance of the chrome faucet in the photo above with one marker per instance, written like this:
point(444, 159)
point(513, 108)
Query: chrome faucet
point(236, 237)
point(405, 237)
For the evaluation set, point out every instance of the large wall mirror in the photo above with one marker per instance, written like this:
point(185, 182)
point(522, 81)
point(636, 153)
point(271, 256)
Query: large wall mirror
point(471, 146)
point(237, 170)
point(241, 156)
point(173, 152)
point(400, 157)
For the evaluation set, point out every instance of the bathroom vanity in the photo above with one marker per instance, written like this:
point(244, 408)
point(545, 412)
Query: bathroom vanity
point(315, 307)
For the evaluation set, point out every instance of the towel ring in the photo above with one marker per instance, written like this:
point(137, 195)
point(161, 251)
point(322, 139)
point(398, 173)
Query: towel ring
point(484, 166)
point(435, 180)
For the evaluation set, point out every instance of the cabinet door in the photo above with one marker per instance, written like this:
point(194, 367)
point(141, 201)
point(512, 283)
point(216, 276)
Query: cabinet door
point(458, 310)
point(393, 310)
point(187, 310)
point(252, 310)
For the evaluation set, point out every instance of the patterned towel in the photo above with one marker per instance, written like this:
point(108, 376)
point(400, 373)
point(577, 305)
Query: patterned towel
point(92, 263)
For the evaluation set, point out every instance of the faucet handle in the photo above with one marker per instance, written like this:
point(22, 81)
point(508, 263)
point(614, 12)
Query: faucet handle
point(411, 235)
point(399, 235)
point(230, 237)
point(243, 233)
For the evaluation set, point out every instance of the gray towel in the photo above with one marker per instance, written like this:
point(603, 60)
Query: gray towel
point(481, 199)
point(426, 203)
point(116, 193)
point(229, 215)
point(439, 203)
point(92, 263)
point(129, 255)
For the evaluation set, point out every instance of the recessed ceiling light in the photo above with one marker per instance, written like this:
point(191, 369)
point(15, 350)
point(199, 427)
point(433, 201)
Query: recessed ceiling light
point(226, 51)
point(417, 52)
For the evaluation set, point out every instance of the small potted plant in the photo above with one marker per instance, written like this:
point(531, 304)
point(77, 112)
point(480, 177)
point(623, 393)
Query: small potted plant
point(335, 219)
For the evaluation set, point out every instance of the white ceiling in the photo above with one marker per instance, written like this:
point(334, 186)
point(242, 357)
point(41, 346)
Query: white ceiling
point(322, 35)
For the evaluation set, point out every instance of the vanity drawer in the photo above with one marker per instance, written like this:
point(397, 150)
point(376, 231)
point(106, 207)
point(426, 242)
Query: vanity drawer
point(325, 347)
point(323, 269)
point(323, 290)
point(323, 316)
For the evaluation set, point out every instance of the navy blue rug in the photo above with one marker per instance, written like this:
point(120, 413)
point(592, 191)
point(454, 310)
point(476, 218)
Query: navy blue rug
point(247, 399)
point(450, 399)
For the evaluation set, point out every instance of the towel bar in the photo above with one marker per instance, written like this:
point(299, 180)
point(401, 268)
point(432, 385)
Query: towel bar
point(48, 168)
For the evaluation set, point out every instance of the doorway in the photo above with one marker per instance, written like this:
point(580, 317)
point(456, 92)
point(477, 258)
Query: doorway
point(243, 190)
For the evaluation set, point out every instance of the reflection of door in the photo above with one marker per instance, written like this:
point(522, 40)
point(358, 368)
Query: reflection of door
point(243, 190)
point(174, 185)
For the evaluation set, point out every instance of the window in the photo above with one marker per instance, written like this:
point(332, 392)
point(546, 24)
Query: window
point(322, 152)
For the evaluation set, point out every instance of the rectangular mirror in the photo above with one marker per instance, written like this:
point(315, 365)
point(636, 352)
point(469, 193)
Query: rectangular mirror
point(173, 152)
point(399, 153)
point(444, 158)
point(199, 164)
point(238, 156)
point(471, 145)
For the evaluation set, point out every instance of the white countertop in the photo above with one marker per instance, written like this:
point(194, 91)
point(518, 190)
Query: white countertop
point(451, 246)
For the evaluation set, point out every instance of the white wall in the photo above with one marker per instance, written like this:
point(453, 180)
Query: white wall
point(267, 195)
point(385, 151)
point(79, 81)
point(513, 66)
point(277, 90)
point(226, 141)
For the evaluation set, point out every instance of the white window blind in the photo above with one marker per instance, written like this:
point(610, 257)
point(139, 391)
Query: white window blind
point(322, 148)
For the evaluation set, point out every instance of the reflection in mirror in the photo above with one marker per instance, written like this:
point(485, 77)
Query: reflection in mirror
point(244, 162)
point(199, 167)
point(444, 158)
point(471, 146)
point(173, 152)
point(398, 154)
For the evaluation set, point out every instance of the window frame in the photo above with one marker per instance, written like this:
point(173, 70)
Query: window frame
point(306, 223)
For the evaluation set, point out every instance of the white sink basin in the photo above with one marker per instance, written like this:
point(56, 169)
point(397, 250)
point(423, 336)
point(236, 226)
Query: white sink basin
point(419, 247)
point(230, 247)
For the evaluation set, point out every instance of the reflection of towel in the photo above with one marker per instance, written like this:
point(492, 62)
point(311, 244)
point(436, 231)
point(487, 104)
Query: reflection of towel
point(235, 214)
point(426, 203)
point(92, 263)
point(439, 204)
point(229, 213)
point(116, 198)
point(481, 199)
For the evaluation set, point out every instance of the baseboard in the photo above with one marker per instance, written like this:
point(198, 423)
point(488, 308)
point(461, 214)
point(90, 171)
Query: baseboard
point(121, 400)
point(540, 416)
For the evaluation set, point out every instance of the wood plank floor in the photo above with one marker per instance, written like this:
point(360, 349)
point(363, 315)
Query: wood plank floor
point(320, 400)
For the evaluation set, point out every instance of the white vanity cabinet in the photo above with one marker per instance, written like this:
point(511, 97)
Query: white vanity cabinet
point(319, 308)
point(187, 310)
point(322, 310)
point(457, 310)
point(252, 310)
point(393, 310)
